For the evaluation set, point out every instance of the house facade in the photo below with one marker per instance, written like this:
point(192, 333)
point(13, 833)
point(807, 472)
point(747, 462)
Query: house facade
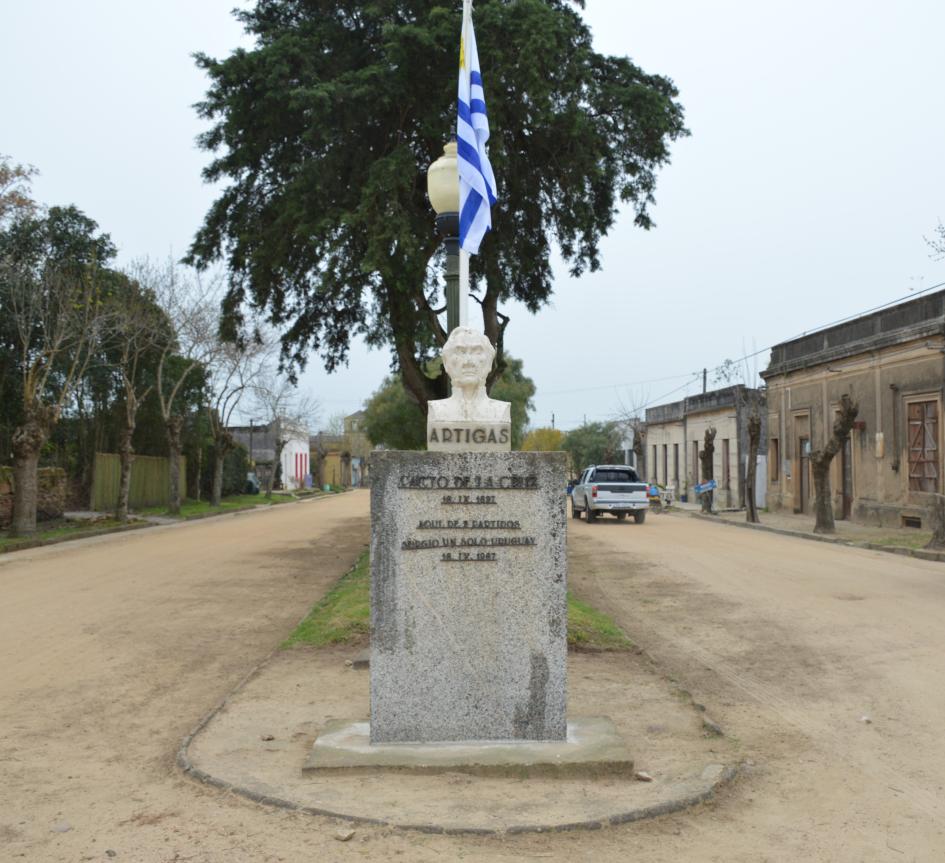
point(892, 362)
point(260, 443)
point(341, 459)
point(675, 436)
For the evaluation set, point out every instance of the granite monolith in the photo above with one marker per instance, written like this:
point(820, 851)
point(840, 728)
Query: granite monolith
point(468, 596)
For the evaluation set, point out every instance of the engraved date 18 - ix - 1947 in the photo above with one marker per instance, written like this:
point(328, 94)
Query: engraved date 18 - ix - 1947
point(468, 557)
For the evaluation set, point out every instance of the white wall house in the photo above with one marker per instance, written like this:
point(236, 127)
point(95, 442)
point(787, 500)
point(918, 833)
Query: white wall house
point(295, 461)
point(260, 443)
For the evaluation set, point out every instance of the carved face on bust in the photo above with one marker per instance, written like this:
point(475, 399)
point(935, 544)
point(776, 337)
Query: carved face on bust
point(468, 357)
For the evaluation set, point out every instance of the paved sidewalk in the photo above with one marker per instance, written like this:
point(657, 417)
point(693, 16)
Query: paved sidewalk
point(848, 530)
point(90, 515)
point(907, 541)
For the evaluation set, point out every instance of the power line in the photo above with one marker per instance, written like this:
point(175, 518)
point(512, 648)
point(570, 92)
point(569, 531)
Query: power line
point(614, 386)
point(693, 376)
point(852, 317)
point(868, 311)
point(605, 417)
point(692, 379)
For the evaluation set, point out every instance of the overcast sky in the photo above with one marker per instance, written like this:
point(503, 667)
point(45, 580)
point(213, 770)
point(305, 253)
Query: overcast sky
point(815, 167)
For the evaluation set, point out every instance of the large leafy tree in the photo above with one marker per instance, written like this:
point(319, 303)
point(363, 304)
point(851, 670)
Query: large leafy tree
point(593, 443)
point(543, 440)
point(323, 132)
point(51, 278)
point(15, 200)
point(135, 329)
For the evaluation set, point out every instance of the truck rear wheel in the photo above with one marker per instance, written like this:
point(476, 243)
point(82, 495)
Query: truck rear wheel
point(640, 516)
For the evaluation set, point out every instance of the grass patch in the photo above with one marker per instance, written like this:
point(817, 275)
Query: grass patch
point(233, 503)
point(344, 616)
point(590, 629)
point(57, 531)
point(917, 540)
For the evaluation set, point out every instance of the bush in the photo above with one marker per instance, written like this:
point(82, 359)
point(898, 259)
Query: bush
point(236, 465)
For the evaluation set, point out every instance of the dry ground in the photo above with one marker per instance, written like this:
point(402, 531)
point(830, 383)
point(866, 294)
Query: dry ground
point(111, 649)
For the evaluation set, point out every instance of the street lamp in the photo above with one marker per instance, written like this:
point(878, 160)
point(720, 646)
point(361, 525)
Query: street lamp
point(443, 191)
point(251, 421)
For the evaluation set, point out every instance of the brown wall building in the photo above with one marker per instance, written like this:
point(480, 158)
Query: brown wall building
point(893, 363)
point(675, 435)
point(341, 459)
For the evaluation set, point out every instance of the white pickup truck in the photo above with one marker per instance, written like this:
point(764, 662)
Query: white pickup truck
point(613, 488)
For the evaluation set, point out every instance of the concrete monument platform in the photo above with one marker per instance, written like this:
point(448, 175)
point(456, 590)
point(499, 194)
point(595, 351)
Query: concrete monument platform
point(256, 742)
point(592, 747)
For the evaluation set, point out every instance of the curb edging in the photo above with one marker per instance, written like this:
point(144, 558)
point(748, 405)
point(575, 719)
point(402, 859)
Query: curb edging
point(667, 807)
point(171, 521)
point(87, 534)
point(901, 550)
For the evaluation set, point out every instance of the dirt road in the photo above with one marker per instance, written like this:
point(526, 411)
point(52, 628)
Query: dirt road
point(826, 663)
point(111, 649)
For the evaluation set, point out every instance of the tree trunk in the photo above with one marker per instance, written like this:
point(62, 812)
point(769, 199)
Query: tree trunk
point(823, 505)
point(126, 456)
point(28, 440)
point(216, 491)
point(937, 518)
point(276, 471)
point(198, 473)
point(173, 426)
point(223, 443)
point(25, 492)
point(754, 438)
point(707, 457)
point(639, 449)
point(820, 464)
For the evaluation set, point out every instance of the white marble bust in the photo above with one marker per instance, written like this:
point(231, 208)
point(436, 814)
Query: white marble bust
point(467, 357)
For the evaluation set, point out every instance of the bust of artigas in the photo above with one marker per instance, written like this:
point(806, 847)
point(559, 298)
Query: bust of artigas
point(467, 357)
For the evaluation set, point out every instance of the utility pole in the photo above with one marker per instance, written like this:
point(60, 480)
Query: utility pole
point(705, 376)
point(552, 419)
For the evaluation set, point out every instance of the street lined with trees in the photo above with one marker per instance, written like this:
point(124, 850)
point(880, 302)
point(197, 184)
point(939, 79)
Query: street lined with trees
point(94, 358)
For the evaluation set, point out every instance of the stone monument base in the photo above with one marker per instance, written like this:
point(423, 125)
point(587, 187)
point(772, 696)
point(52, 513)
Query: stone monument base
point(592, 748)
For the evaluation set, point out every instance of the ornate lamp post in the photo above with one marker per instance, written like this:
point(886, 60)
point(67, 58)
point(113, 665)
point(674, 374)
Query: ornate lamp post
point(443, 191)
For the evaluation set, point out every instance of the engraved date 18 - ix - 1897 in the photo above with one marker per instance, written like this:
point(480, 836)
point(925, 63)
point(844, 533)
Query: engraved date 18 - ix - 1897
point(468, 500)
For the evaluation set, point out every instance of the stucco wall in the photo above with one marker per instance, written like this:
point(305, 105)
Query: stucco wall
point(724, 421)
point(667, 436)
point(684, 424)
point(883, 381)
point(296, 446)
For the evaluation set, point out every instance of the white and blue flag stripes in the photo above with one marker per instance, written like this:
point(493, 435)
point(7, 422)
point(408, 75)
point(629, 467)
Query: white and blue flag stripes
point(477, 192)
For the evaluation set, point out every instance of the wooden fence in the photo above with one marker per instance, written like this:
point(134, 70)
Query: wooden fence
point(150, 481)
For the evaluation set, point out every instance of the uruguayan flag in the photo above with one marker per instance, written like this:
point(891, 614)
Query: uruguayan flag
point(477, 192)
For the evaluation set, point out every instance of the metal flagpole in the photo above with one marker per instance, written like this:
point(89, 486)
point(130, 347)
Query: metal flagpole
point(463, 287)
point(463, 254)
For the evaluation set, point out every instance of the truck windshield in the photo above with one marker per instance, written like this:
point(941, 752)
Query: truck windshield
point(616, 475)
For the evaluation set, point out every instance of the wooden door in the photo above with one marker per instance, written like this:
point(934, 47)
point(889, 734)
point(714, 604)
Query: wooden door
point(803, 474)
point(923, 446)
